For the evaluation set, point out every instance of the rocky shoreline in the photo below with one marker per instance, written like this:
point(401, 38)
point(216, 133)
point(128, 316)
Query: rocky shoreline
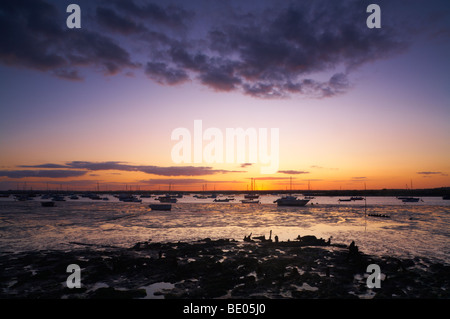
point(306, 267)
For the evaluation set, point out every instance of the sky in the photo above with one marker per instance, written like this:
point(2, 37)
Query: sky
point(96, 106)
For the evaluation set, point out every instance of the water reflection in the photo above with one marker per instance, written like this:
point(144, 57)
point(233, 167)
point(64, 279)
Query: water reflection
point(418, 228)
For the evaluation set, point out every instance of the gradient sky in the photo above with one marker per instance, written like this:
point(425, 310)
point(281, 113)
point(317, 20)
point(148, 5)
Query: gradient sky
point(354, 106)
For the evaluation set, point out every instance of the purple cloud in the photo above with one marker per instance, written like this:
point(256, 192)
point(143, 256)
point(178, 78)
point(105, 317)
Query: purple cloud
point(41, 173)
point(148, 169)
point(270, 53)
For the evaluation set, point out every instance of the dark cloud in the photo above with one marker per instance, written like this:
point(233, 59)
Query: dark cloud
point(99, 51)
point(279, 52)
point(164, 74)
point(220, 78)
point(182, 170)
point(183, 181)
point(41, 173)
point(34, 35)
point(429, 173)
point(308, 48)
point(172, 16)
point(113, 21)
point(149, 169)
point(26, 27)
point(47, 165)
point(293, 172)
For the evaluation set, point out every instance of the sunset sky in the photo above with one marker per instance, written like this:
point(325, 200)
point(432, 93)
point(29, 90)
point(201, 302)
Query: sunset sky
point(97, 106)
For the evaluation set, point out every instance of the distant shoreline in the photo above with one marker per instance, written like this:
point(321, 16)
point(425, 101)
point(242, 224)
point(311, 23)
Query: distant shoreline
point(425, 192)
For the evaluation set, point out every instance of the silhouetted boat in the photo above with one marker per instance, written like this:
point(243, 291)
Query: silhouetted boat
point(48, 204)
point(160, 206)
point(345, 199)
point(291, 201)
point(251, 195)
point(128, 198)
point(410, 200)
point(167, 199)
point(379, 215)
point(94, 197)
point(356, 198)
point(249, 201)
point(225, 200)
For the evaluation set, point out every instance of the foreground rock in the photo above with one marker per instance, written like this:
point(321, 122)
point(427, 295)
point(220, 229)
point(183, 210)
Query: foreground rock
point(304, 268)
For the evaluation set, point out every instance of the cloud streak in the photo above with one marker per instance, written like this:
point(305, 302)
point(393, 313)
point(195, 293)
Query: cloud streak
point(184, 181)
point(148, 169)
point(293, 172)
point(41, 173)
point(429, 173)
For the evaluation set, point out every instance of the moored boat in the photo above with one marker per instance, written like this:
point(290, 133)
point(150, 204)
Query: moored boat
point(410, 199)
point(47, 204)
point(128, 198)
point(160, 206)
point(167, 199)
point(379, 215)
point(249, 201)
point(291, 201)
point(224, 200)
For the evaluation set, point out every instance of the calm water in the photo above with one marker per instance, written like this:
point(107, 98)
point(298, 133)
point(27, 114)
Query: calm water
point(414, 229)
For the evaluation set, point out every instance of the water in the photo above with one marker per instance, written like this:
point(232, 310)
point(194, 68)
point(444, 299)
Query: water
point(413, 229)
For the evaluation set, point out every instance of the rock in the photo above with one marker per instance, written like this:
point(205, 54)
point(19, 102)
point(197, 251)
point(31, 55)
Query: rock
point(219, 268)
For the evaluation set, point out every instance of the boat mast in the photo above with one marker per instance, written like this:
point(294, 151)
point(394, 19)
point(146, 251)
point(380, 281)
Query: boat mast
point(290, 184)
point(365, 207)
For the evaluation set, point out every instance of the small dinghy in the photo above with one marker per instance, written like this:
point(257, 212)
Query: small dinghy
point(160, 206)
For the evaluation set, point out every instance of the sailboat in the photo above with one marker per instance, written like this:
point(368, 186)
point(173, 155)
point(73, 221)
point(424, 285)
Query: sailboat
point(409, 199)
point(160, 206)
point(167, 199)
point(252, 195)
point(250, 201)
point(290, 200)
